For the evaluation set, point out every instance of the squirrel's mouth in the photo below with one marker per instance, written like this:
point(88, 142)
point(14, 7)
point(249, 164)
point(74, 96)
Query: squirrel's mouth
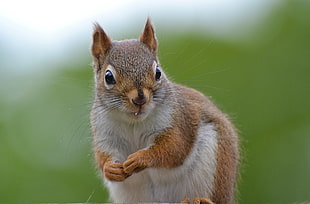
point(138, 113)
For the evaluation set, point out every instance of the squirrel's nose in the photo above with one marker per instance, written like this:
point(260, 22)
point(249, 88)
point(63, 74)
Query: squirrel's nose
point(139, 97)
point(139, 101)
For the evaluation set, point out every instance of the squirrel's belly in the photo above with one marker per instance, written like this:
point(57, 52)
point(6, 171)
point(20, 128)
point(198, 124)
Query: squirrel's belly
point(194, 178)
point(136, 188)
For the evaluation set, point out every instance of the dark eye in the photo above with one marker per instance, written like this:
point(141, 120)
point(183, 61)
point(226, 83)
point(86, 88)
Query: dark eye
point(157, 74)
point(109, 78)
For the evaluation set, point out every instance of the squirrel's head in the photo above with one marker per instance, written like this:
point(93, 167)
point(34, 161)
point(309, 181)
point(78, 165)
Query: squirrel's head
point(127, 73)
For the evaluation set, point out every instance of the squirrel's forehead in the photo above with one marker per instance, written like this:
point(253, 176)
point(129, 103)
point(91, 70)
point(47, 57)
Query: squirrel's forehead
point(130, 54)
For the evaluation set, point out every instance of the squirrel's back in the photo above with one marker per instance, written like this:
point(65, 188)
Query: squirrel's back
point(204, 118)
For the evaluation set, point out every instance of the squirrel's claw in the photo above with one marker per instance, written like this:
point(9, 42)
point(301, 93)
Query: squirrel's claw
point(135, 162)
point(198, 200)
point(114, 172)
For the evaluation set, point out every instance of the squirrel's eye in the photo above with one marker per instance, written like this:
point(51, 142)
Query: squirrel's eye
point(109, 78)
point(157, 74)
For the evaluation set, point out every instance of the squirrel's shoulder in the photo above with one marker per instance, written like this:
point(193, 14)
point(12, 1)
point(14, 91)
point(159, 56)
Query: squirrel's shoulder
point(197, 105)
point(189, 95)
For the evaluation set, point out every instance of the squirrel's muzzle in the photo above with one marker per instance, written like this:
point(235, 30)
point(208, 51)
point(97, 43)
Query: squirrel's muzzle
point(139, 97)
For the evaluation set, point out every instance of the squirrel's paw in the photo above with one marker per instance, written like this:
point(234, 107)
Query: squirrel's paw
point(198, 200)
point(136, 162)
point(114, 171)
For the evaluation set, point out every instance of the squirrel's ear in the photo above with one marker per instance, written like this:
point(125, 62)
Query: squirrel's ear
point(148, 36)
point(101, 42)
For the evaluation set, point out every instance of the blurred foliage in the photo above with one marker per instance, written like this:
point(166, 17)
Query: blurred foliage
point(262, 82)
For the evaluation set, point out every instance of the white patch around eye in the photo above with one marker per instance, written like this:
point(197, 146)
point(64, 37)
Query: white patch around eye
point(112, 70)
point(154, 66)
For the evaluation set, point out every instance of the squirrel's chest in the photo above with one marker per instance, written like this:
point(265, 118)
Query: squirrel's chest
point(136, 137)
point(121, 139)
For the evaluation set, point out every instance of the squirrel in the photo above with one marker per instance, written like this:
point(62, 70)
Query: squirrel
point(155, 140)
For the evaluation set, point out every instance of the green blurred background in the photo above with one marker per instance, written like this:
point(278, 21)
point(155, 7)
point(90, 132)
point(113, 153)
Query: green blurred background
point(261, 78)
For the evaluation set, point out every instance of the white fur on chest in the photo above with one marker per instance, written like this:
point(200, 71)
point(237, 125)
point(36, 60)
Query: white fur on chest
point(120, 138)
point(194, 178)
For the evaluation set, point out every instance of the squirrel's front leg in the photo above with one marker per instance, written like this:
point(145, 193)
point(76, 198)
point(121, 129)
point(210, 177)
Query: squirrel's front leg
point(137, 161)
point(169, 150)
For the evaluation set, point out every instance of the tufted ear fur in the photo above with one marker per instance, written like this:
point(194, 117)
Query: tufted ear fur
point(101, 42)
point(148, 36)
